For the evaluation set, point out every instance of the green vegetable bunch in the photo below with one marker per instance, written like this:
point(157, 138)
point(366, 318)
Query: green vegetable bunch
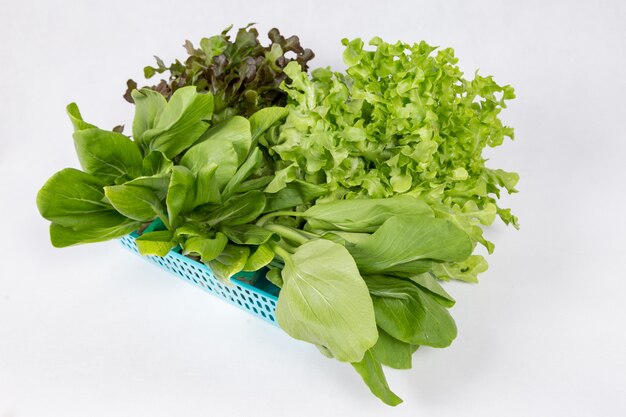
point(357, 197)
point(401, 120)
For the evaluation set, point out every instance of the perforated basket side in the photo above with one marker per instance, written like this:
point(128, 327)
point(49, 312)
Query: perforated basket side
point(247, 297)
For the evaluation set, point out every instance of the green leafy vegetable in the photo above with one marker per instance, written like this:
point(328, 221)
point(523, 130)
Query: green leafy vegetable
point(265, 118)
point(208, 249)
point(232, 260)
point(240, 209)
point(359, 192)
point(402, 119)
point(235, 130)
point(406, 239)
point(157, 243)
point(76, 118)
point(156, 163)
point(466, 270)
point(179, 124)
point(109, 228)
point(244, 171)
point(187, 191)
point(363, 215)
point(372, 373)
point(409, 314)
point(325, 301)
point(297, 193)
point(428, 283)
point(74, 202)
point(135, 202)
point(108, 155)
point(261, 257)
point(148, 107)
point(219, 152)
point(392, 352)
point(247, 234)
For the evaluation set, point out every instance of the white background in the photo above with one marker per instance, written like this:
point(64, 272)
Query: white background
point(94, 331)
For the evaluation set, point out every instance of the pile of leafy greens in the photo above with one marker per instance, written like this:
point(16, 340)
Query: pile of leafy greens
point(357, 197)
point(401, 120)
point(242, 75)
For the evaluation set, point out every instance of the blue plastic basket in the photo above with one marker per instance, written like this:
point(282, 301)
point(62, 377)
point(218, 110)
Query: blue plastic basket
point(258, 299)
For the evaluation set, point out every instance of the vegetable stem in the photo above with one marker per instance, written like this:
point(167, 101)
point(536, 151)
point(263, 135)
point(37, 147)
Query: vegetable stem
point(283, 254)
point(287, 233)
point(164, 219)
point(268, 216)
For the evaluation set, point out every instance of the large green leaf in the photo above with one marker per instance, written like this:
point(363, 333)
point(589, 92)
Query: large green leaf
point(112, 228)
point(207, 248)
point(405, 270)
point(261, 257)
point(183, 120)
point(240, 209)
point(107, 155)
point(427, 282)
point(157, 243)
point(364, 215)
point(247, 234)
point(244, 171)
point(410, 314)
point(187, 191)
point(76, 118)
point(156, 163)
point(281, 178)
point(264, 119)
point(404, 239)
point(74, 201)
point(274, 276)
point(254, 184)
point(72, 197)
point(158, 183)
point(393, 352)
point(148, 107)
point(325, 301)
point(294, 194)
point(190, 229)
point(181, 185)
point(372, 373)
point(135, 202)
point(235, 130)
point(206, 190)
point(229, 262)
point(218, 152)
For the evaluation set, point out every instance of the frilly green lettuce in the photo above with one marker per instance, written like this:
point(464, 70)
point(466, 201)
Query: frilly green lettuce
point(402, 119)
